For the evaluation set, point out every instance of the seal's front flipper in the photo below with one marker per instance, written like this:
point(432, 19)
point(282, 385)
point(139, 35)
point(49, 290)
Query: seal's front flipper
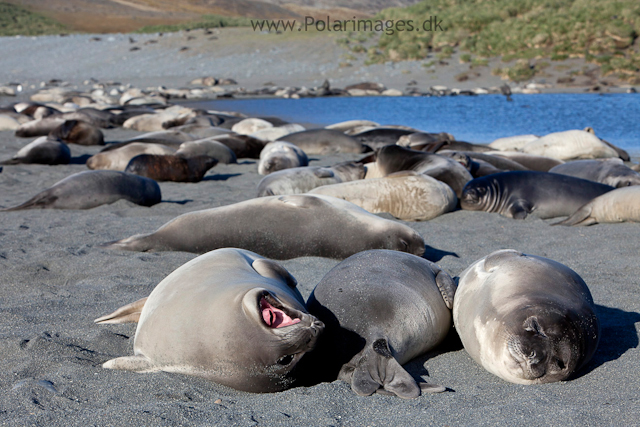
point(377, 368)
point(136, 363)
point(520, 209)
point(136, 243)
point(129, 313)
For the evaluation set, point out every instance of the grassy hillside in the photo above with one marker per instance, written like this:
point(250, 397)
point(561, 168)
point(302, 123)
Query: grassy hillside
point(15, 20)
point(207, 21)
point(602, 32)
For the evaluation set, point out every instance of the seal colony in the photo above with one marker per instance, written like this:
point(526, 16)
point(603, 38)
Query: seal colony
point(387, 304)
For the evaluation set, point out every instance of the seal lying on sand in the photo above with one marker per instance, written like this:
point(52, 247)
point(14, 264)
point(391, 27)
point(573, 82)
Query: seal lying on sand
point(119, 158)
point(86, 190)
point(44, 150)
point(279, 155)
point(280, 227)
point(381, 309)
point(303, 179)
point(229, 316)
point(324, 141)
point(171, 167)
point(619, 205)
point(407, 195)
point(525, 318)
point(520, 193)
point(611, 172)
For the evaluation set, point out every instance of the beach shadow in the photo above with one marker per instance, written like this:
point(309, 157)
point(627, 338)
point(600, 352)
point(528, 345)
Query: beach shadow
point(220, 176)
point(617, 335)
point(435, 255)
point(247, 162)
point(178, 202)
point(417, 368)
point(80, 160)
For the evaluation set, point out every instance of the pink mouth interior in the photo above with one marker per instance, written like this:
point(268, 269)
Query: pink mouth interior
point(274, 317)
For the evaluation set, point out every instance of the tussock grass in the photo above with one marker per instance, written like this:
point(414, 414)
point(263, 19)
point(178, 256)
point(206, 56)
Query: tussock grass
point(15, 20)
point(207, 21)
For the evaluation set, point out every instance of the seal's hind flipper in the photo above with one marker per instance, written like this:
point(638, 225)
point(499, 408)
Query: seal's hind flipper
point(129, 313)
point(135, 243)
point(39, 201)
point(580, 217)
point(136, 363)
point(377, 368)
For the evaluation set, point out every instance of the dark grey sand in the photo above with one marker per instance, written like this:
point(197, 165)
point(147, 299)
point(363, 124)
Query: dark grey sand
point(55, 281)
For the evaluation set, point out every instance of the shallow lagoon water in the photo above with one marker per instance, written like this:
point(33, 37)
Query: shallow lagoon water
point(614, 117)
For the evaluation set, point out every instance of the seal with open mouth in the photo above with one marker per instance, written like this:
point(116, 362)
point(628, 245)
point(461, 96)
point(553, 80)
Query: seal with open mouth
point(230, 316)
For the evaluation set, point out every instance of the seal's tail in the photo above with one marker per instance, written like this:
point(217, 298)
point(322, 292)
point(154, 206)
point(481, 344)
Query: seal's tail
point(39, 201)
point(129, 313)
point(136, 243)
point(580, 217)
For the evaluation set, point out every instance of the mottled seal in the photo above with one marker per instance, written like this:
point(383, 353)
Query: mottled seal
point(229, 316)
point(44, 150)
point(118, 159)
point(612, 172)
point(78, 132)
point(279, 155)
point(324, 141)
point(171, 167)
point(393, 158)
point(380, 309)
point(619, 205)
point(525, 318)
point(407, 195)
point(303, 179)
point(517, 194)
point(86, 190)
point(280, 227)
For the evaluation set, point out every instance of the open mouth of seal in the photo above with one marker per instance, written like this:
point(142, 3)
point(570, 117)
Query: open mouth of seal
point(273, 313)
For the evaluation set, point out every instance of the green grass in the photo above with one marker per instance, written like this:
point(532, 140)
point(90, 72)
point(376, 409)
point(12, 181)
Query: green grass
point(15, 20)
point(207, 21)
point(521, 29)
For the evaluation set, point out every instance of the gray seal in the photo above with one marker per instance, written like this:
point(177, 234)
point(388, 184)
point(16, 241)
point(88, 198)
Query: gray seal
point(43, 150)
point(86, 190)
point(611, 172)
point(380, 309)
point(303, 179)
point(517, 194)
point(525, 318)
point(324, 141)
point(229, 316)
point(280, 227)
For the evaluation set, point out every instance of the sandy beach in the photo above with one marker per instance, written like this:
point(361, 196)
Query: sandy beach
point(55, 279)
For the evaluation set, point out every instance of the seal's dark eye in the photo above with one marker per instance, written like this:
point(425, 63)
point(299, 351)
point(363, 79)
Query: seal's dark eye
point(285, 360)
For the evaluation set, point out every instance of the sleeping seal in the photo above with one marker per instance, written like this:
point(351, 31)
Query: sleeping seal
point(303, 179)
point(407, 195)
point(229, 316)
point(324, 141)
point(611, 172)
point(280, 227)
point(86, 190)
point(380, 309)
point(524, 318)
point(619, 205)
point(169, 167)
point(43, 150)
point(520, 193)
point(279, 155)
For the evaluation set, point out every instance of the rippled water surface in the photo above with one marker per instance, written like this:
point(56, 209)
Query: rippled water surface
point(615, 117)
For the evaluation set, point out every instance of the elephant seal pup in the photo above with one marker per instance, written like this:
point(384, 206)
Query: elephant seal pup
point(229, 316)
point(78, 132)
point(517, 194)
point(393, 158)
point(44, 150)
point(324, 141)
point(619, 205)
point(569, 145)
point(380, 136)
point(207, 147)
point(350, 124)
point(119, 158)
point(380, 309)
point(279, 155)
point(243, 146)
point(171, 167)
point(86, 190)
point(304, 179)
point(524, 318)
point(250, 125)
point(39, 127)
point(288, 227)
point(407, 195)
point(529, 161)
point(611, 172)
point(512, 143)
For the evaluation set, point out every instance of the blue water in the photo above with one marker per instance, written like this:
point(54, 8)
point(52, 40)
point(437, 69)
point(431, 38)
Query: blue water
point(614, 117)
